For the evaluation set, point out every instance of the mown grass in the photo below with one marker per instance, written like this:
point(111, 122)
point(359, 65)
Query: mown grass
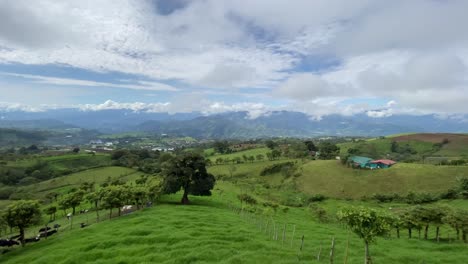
point(209, 232)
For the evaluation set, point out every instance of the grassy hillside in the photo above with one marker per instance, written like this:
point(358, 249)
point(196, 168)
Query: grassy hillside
point(335, 180)
point(457, 143)
point(209, 232)
point(250, 152)
point(64, 183)
point(419, 146)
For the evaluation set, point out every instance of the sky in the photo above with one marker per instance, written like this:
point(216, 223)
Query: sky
point(320, 57)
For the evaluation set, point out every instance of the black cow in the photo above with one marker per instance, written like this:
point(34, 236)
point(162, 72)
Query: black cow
point(32, 239)
point(15, 237)
point(44, 229)
point(7, 243)
point(48, 233)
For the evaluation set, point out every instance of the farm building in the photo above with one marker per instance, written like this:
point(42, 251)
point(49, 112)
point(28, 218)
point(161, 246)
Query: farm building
point(359, 162)
point(368, 163)
point(383, 163)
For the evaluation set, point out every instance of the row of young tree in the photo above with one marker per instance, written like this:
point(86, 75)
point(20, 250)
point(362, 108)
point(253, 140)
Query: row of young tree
point(186, 172)
point(368, 224)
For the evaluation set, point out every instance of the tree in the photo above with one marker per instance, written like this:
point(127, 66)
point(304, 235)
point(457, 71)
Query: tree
point(73, 200)
point(222, 147)
point(22, 214)
point(271, 144)
point(76, 150)
point(51, 211)
point(328, 150)
point(310, 145)
point(260, 157)
point(114, 196)
point(219, 161)
point(232, 169)
point(187, 172)
point(394, 146)
point(458, 220)
point(367, 224)
point(139, 194)
point(94, 198)
point(275, 154)
point(245, 198)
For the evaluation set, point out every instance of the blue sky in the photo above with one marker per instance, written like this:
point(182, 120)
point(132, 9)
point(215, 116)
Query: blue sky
point(319, 57)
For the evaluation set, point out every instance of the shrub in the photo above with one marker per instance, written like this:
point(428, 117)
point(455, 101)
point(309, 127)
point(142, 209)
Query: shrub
point(386, 198)
point(319, 213)
point(277, 168)
point(316, 198)
point(421, 198)
point(6, 191)
point(450, 194)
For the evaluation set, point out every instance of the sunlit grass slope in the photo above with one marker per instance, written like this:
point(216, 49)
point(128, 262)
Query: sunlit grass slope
point(208, 231)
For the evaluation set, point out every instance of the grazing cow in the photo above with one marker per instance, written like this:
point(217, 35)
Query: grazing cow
point(7, 243)
point(83, 225)
point(127, 209)
point(48, 233)
point(32, 239)
point(15, 237)
point(56, 226)
point(44, 229)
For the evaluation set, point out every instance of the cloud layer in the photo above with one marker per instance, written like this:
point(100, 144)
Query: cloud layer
point(410, 52)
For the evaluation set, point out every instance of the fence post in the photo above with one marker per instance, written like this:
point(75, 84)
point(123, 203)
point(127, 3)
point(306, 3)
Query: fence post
point(332, 250)
point(292, 237)
point(302, 242)
point(274, 229)
point(346, 252)
point(284, 234)
point(319, 252)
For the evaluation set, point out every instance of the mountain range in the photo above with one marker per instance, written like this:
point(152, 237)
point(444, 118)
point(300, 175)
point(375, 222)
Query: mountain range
point(229, 124)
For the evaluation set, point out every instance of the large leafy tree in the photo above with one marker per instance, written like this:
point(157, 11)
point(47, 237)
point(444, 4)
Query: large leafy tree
point(187, 172)
point(22, 214)
point(328, 150)
point(367, 224)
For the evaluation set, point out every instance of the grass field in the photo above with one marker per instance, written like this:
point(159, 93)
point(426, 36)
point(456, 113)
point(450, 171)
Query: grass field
point(64, 183)
point(331, 178)
point(335, 180)
point(250, 152)
point(209, 232)
point(423, 143)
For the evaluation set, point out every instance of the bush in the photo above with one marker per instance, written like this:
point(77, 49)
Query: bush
point(450, 194)
point(277, 168)
point(6, 191)
point(319, 213)
point(316, 198)
point(421, 198)
point(386, 198)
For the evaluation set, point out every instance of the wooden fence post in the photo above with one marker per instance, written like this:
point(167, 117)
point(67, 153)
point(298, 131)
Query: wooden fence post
point(320, 252)
point(346, 252)
point(302, 242)
point(332, 250)
point(292, 237)
point(284, 234)
point(274, 229)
